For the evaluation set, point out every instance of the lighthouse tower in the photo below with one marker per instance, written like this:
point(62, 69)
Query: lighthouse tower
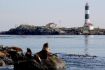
point(88, 26)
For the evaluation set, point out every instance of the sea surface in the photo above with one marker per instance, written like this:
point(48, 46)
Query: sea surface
point(78, 51)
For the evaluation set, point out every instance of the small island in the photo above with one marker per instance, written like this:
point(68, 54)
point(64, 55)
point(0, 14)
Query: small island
point(51, 29)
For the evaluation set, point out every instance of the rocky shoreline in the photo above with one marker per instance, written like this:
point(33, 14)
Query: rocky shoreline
point(49, 30)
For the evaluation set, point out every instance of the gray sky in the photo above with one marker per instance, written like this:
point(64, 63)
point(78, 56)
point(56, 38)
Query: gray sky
point(65, 13)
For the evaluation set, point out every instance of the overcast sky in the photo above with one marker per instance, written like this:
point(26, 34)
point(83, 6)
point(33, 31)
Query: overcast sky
point(65, 13)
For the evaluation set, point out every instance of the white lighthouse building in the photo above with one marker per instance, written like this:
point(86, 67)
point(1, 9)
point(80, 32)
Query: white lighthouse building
point(88, 26)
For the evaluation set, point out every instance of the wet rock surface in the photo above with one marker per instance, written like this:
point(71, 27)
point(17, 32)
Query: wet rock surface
point(15, 56)
point(5, 56)
point(54, 63)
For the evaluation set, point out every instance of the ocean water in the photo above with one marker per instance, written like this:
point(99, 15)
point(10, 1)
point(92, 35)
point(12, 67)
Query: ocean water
point(69, 47)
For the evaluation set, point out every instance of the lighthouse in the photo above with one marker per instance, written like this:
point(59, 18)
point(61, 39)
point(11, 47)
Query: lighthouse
point(88, 26)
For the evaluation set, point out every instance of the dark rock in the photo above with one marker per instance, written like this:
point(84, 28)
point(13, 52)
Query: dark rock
point(14, 56)
point(54, 63)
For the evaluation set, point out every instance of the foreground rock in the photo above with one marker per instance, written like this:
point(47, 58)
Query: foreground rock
point(5, 55)
point(14, 56)
point(53, 63)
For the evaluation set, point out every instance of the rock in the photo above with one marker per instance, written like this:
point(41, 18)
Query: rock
point(14, 55)
point(2, 63)
point(8, 61)
point(53, 63)
point(6, 54)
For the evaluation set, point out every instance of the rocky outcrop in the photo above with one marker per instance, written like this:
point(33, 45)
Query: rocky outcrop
point(50, 29)
point(5, 55)
point(54, 63)
point(14, 56)
point(31, 30)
